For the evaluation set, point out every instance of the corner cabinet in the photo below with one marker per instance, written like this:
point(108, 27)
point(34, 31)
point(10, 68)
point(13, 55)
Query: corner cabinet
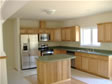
point(71, 33)
point(95, 64)
point(105, 32)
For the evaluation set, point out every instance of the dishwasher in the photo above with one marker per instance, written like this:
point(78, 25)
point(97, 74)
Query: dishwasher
point(72, 60)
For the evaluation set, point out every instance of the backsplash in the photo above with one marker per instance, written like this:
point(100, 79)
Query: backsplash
point(50, 43)
point(104, 46)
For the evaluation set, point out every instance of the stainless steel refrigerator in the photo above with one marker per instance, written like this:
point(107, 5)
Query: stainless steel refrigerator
point(29, 49)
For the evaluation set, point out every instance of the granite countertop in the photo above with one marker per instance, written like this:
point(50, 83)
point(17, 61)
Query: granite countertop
point(84, 50)
point(52, 58)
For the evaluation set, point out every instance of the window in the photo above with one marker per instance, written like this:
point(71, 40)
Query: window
point(89, 36)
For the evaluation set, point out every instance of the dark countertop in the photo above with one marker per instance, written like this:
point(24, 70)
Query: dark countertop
point(52, 58)
point(84, 50)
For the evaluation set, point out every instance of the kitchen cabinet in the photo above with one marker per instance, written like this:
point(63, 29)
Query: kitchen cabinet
point(94, 64)
point(105, 32)
point(57, 34)
point(66, 34)
point(101, 33)
point(58, 51)
point(85, 63)
point(103, 68)
point(71, 33)
point(78, 61)
point(28, 31)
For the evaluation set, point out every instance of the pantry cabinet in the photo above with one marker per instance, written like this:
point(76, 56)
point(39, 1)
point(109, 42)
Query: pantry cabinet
point(95, 64)
point(105, 32)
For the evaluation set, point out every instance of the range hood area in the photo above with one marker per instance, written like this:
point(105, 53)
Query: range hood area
point(42, 24)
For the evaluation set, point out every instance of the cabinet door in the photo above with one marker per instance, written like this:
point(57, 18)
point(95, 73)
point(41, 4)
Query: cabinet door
point(107, 34)
point(78, 62)
point(85, 63)
point(63, 33)
point(51, 34)
point(23, 31)
point(75, 33)
point(57, 35)
point(93, 65)
point(68, 34)
point(57, 51)
point(31, 31)
point(101, 32)
point(103, 68)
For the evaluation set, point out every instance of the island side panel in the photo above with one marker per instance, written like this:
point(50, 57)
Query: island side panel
point(52, 72)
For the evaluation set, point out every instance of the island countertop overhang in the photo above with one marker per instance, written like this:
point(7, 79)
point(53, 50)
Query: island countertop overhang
point(52, 58)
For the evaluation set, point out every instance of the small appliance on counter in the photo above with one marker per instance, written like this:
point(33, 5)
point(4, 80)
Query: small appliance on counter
point(43, 48)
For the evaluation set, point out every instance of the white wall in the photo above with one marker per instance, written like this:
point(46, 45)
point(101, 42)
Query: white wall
point(8, 39)
point(89, 21)
point(35, 23)
point(17, 44)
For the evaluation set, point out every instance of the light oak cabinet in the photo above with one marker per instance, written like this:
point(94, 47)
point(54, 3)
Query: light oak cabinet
point(78, 61)
point(28, 31)
point(71, 33)
point(57, 34)
point(66, 34)
point(105, 32)
point(85, 63)
point(103, 68)
point(58, 51)
point(95, 64)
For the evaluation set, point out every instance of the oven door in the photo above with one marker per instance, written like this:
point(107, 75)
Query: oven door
point(44, 37)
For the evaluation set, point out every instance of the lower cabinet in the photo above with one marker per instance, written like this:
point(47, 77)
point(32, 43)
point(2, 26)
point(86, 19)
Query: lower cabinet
point(58, 51)
point(85, 63)
point(78, 62)
point(103, 68)
point(95, 64)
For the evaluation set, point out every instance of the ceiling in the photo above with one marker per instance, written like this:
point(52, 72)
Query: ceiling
point(64, 9)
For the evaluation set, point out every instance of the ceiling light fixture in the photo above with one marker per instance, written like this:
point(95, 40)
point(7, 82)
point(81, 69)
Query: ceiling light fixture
point(49, 11)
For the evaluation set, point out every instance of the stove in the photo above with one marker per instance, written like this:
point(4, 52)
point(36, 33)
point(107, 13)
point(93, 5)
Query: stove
point(45, 50)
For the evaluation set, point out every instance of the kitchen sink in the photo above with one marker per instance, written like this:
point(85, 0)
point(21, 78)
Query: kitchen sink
point(86, 51)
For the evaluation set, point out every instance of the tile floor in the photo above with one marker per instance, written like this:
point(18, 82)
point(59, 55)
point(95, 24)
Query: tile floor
point(15, 77)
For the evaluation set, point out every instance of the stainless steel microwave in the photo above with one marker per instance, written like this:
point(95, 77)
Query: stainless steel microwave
point(44, 37)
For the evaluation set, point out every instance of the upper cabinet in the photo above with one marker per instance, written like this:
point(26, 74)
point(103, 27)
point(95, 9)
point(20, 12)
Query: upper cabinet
point(56, 34)
point(105, 32)
point(71, 33)
point(28, 30)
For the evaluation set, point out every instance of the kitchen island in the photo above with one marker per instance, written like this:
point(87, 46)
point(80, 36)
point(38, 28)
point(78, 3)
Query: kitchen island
point(54, 69)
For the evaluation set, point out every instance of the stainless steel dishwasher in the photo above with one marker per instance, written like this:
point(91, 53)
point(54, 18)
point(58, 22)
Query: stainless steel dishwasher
point(72, 60)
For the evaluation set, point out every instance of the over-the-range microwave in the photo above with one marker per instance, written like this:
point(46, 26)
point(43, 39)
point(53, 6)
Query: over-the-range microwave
point(44, 37)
